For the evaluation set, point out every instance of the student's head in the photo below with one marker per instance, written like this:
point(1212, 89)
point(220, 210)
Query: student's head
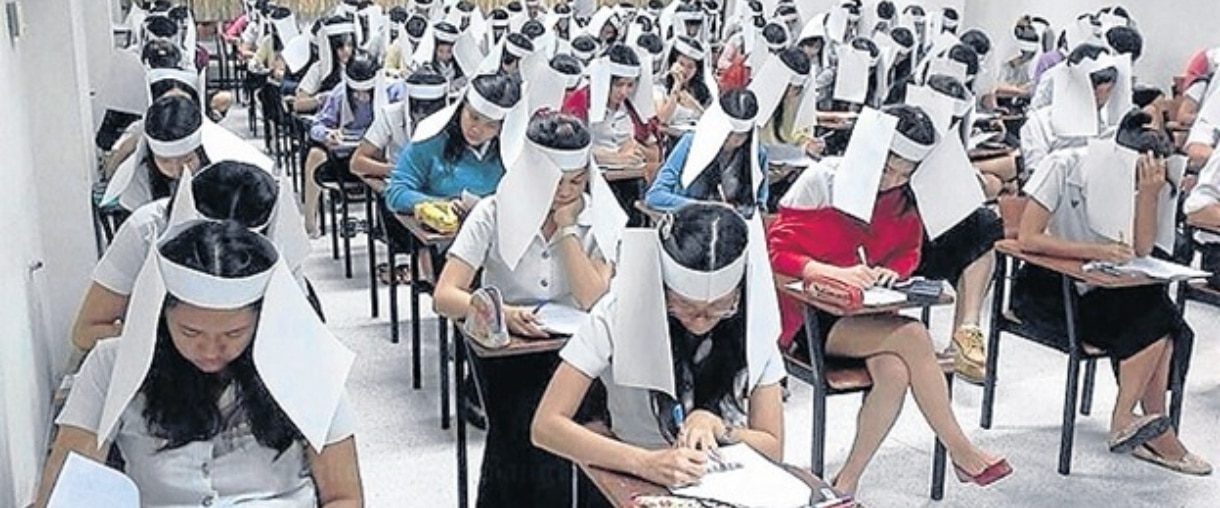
point(398, 14)
point(608, 32)
point(966, 56)
point(1136, 133)
point(533, 29)
point(161, 54)
point(161, 27)
point(570, 67)
point(797, 62)
point(703, 237)
point(684, 59)
point(444, 48)
point(950, 19)
point(1125, 41)
point(776, 36)
point(584, 47)
point(416, 26)
point(978, 41)
point(509, 62)
point(173, 119)
point(477, 127)
point(692, 15)
point(886, 10)
point(1027, 38)
point(562, 132)
point(740, 104)
point(341, 45)
point(426, 93)
point(236, 191)
point(915, 125)
point(949, 86)
point(362, 68)
point(621, 87)
point(1102, 79)
point(169, 86)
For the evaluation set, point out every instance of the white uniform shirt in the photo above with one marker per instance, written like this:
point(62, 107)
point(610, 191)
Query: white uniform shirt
point(390, 131)
point(1039, 140)
point(231, 468)
point(591, 351)
point(312, 80)
point(540, 275)
point(1058, 185)
point(1205, 193)
point(614, 130)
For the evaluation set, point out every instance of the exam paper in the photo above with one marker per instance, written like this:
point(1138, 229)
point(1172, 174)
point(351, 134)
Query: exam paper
point(83, 482)
point(757, 483)
point(1159, 269)
point(559, 319)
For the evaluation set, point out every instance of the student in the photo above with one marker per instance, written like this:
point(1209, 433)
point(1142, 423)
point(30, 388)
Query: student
point(1016, 75)
point(436, 51)
point(1136, 326)
point(776, 36)
point(623, 134)
point(727, 164)
point(515, 48)
point(336, 42)
point(223, 388)
point(585, 48)
point(1202, 208)
point(870, 59)
point(226, 190)
point(572, 71)
point(456, 149)
point(1118, 41)
point(684, 370)
point(391, 130)
point(346, 115)
point(903, 67)
point(812, 239)
point(172, 139)
point(684, 89)
point(1042, 134)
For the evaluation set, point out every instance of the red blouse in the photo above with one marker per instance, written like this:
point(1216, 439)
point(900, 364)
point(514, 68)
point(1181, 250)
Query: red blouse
point(827, 235)
point(577, 103)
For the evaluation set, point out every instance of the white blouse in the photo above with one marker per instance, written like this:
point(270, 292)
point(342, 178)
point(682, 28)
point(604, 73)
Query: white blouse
point(230, 469)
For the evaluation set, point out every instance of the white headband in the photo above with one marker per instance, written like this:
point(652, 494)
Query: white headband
point(1027, 46)
point(339, 29)
point(908, 149)
point(362, 86)
point(622, 71)
point(686, 49)
point(702, 286)
point(185, 77)
point(177, 147)
point(688, 16)
point(444, 36)
point(484, 106)
point(741, 125)
point(427, 92)
point(570, 80)
point(583, 55)
point(209, 291)
point(949, 23)
point(516, 50)
point(565, 160)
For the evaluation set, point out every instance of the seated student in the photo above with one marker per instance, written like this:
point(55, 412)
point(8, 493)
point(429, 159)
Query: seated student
point(621, 123)
point(343, 119)
point(725, 170)
point(736, 30)
point(1196, 89)
point(901, 71)
point(572, 70)
point(268, 58)
point(1202, 207)
point(202, 418)
point(1040, 136)
point(812, 239)
point(1204, 132)
point(436, 52)
point(1119, 40)
point(515, 48)
point(226, 190)
point(398, 55)
point(684, 370)
point(653, 51)
point(335, 41)
point(684, 89)
point(1136, 326)
point(782, 126)
point(775, 35)
point(585, 48)
point(172, 139)
point(426, 92)
point(870, 58)
point(456, 149)
point(1016, 77)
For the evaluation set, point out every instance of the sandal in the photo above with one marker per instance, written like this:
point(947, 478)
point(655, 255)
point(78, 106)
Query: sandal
point(1189, 464)
point(1138, 432)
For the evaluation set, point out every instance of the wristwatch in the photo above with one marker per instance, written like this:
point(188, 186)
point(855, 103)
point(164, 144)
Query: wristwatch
point(569, 230)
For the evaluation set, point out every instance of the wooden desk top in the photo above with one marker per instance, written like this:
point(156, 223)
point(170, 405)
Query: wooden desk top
point(517, 346)
point(1203, 228)
point(614, 175)
point(1074, 268)
point(988, 153)
point(782, 281)
point(621, 489)
point(422, 234)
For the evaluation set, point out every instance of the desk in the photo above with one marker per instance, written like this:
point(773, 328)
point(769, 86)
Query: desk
point(621, 489)
point(511, 380)
point(1199, 291)
point(423, 238)
point(977, 154)
point(622, 174)
point(1070, 271)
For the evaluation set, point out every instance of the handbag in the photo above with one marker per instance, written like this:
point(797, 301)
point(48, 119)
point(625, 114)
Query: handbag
point(835, 292)
point(437, 216)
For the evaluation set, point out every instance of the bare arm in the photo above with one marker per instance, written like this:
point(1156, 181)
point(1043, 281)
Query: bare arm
point(337, 475)
point(1208, 217)
point(589, 277)
point(766, 422)
point(452, 298)
point(69, 439)
point(100, 316)
point(368, 160)
point(121, 152)
point(1033, 238)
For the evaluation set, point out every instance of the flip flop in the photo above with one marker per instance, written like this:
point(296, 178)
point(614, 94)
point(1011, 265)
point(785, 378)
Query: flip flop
point(1189, 464)
point(1138, 432)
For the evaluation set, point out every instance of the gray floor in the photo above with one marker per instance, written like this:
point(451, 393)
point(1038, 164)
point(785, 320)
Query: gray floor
point(406, 460)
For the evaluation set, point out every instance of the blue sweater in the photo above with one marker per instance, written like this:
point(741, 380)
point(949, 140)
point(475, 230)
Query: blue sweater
point(667, 193)
point(422, 174)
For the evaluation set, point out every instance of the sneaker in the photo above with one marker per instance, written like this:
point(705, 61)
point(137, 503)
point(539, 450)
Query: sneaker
point(970, 358)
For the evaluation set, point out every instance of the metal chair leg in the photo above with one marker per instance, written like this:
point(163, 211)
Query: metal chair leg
point(938, 456)
point(1071, 390)
point(416, 381)
point(394, 324)
point(443, 355)
point(1086, 395)
point(993, 341)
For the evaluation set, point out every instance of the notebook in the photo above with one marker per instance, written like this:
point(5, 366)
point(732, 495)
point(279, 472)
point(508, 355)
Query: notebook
point(751, 481)
point(83, 482)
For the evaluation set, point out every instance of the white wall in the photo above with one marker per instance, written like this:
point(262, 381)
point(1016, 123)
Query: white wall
point(46, 141)
point(1172, 30)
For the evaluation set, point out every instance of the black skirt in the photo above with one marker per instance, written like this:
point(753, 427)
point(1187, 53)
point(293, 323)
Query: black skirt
point(825, 322)
point(1120, 321)
point(948, 256)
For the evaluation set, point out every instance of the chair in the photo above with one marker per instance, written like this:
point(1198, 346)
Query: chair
point(843, 380)
point(339, 190)
point(1074, 347)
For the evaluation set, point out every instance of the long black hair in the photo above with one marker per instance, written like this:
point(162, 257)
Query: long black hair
point(913, 123)
point(501, 90)
point(797, 61)
point(169, 118)
point(710, 370)
point(363, 66)
point(181, 402)
point(731, 173)
point(418, 109)
point(330, 81)
point(559, 131)
point(236, 191)
point(696, 83)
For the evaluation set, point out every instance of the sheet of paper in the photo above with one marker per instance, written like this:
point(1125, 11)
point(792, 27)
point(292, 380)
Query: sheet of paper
point(1210, 110)
point(785, 155)
point(559, 319)
point(1167, 205)
point(857, 179)
point(1109, 189)
point(982, 137)
point(881, 296)
point(752, 481)
point(1073, 109)
point(83, 482)
point(946, 187)
point(851, 79)
point(1159, 269)
point(938, 106)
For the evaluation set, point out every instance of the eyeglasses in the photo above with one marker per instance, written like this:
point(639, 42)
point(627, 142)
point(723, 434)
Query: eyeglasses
point(685, 310)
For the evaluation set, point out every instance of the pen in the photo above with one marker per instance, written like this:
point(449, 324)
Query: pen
point(863, 256)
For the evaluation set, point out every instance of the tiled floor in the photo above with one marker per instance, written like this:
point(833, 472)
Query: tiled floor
point(406, 460)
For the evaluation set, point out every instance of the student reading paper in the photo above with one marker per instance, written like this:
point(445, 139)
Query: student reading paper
point(686, 353)
point(1136, 326)
point(224, 387)
point(872, 236)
